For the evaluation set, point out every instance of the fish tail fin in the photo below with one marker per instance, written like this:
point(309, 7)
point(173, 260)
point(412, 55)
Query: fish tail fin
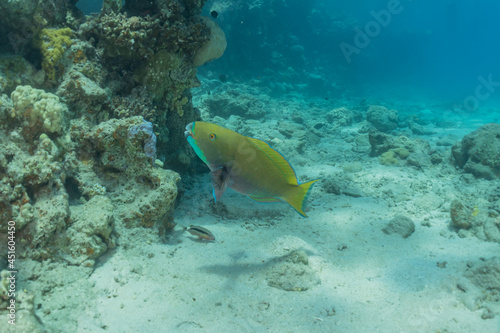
point(297, 197)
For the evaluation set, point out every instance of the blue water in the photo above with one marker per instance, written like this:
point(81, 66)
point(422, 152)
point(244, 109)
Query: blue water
point(89, 6)
point(439, 48)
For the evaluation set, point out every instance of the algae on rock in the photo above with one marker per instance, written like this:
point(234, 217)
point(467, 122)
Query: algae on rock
point(157, 72)
point(52, 44)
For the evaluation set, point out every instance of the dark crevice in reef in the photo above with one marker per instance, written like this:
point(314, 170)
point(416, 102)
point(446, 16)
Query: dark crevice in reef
point(74, 194)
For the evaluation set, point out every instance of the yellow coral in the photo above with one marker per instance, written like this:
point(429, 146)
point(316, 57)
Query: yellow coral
point(389, 158)
point(475, 211)
point(393, 156)
point(178, 104)
point(52, 44)
point(403, 153)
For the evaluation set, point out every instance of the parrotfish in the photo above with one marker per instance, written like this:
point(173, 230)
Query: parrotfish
point(247, 165)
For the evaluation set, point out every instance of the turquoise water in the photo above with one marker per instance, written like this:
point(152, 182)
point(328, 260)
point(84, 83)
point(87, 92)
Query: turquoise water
point(435, 49)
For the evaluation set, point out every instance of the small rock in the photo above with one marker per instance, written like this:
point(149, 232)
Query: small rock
point(460, 214)
point(381, 142)
point(400, 225)
point(381, 118)
point(446, 141)
point(418, 129)
point(353, 192)
point(343, 116)
point(419, 160)
point(292, 273)
point(441, 264)
point(478, 153)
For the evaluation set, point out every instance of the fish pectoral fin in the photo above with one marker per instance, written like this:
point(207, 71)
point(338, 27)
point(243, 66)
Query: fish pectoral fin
point(217, 194)
point(221, 180)
point(265, 199)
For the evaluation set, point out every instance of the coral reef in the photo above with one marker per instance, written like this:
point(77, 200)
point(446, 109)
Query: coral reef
point(57, 189)
point(153, 46)
point(161, 73)
point(125, 39)
point(93, 101)
point(82, 93)
point(24, 19)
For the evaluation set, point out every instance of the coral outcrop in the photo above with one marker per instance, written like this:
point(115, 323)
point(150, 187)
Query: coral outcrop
point(90, 233)
point(81, 134)
point(92, 119)
point(381, 118)
point(478, 153)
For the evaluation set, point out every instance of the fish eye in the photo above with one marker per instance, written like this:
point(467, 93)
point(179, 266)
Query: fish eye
point(212, 136)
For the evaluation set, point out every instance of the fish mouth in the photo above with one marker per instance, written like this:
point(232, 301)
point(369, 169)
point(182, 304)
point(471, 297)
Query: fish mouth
point(189, 130)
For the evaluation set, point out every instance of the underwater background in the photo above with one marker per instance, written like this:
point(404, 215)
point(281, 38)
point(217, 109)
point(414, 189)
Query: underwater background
point(390, 108)
point(434, 50)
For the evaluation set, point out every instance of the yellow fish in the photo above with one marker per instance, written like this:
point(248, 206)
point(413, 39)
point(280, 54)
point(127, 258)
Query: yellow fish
point(247, 165)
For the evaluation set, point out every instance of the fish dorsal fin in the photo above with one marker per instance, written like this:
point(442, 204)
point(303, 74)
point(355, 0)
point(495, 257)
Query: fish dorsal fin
point(278, 160)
